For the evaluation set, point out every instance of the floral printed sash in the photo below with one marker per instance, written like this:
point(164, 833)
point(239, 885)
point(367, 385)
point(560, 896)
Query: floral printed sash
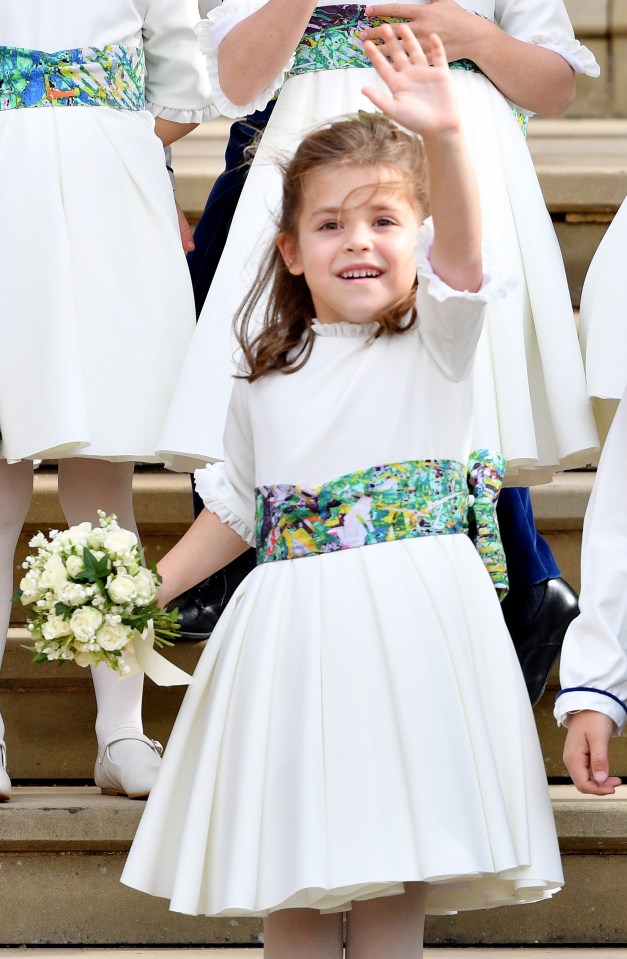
point(384, 503)
point(331, 42)
point(111, 76)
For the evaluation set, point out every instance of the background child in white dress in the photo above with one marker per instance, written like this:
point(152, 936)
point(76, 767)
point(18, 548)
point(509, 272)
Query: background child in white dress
point(97, 309)
point(337, 696)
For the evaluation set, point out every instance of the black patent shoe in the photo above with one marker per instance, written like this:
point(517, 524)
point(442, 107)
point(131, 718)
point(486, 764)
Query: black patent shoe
point(538, 640)
point(201, 606)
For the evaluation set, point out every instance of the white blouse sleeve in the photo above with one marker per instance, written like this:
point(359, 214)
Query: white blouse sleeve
point(228, 488)
point(211, 32)
point(177, 87)
point(546, 23)
point(593, 665)
point(450, 321)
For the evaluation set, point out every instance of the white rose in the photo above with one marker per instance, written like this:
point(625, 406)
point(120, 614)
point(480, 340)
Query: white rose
point(119, 541)
point(79, 535)
point(122, 589)
point(145, 584)
point(30, 588)
point(74, 565)
point(85, 659)
point(55, 627)
point(84, 622)
point(112, 636)
point(74, 594)
point(54, 574)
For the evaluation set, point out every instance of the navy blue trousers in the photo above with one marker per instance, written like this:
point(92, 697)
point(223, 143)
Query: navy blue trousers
point(529, 557)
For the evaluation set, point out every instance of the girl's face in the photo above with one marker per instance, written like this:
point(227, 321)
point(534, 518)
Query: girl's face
point(355, 242)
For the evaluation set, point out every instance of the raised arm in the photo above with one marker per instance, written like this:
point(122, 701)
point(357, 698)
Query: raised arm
point(528, 74)
point(257, 49)
point(421, 98)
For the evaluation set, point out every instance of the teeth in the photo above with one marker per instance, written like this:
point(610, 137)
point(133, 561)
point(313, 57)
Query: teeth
point(360, 274)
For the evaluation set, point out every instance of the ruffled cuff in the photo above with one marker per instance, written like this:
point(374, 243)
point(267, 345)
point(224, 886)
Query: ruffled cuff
point(200, 115)
point(493, 287)
point(579, 57)
point(575, 700)
point(211, 32)
point(213, 487)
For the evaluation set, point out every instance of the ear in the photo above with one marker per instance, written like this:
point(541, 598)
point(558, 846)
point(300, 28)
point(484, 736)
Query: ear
point(288, 248)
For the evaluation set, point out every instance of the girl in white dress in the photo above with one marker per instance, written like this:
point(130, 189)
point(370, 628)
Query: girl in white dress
point(530, 394)
point(358, 736)
point(97, 309)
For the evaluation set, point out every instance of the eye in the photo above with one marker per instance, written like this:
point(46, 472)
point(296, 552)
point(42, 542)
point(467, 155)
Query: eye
point(329, 225)
point(385, 221)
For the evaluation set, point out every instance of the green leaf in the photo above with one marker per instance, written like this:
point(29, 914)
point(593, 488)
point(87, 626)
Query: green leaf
point(62, 609)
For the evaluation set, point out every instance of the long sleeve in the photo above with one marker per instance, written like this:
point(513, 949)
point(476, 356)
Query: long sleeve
point(177, 86)
point(228, 488)
point(593, 672)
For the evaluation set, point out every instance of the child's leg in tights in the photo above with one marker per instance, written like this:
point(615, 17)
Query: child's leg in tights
point(85, 486)
point(303, 934)
point(389, 926)
point(16, 488)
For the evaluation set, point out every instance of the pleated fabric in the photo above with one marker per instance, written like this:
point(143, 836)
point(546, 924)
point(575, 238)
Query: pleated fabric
point(338, 742)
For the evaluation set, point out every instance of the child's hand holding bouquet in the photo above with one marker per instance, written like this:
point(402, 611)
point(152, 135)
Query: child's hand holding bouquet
point(93, 601)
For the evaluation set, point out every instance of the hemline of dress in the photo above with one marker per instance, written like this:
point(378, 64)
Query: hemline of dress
point(322, 900)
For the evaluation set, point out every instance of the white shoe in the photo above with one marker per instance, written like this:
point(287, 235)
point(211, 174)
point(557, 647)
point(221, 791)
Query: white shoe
point(134, 781)
point(5, 782)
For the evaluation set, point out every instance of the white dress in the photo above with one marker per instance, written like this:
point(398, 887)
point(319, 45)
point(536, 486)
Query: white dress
point(97, 309)
point(359, 718)
point(603, 316)
point(531, 400)
point(593, 662)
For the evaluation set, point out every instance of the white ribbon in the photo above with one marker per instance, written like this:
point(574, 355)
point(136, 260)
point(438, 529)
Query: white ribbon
point(156, 667)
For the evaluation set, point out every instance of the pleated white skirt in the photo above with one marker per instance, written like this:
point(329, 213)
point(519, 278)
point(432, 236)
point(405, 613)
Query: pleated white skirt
point(344, 735)
point(97, 308)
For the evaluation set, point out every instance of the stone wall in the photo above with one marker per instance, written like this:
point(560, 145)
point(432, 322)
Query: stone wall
point(602, 26)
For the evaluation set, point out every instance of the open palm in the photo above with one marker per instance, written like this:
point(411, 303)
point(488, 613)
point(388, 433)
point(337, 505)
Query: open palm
point(421, 97)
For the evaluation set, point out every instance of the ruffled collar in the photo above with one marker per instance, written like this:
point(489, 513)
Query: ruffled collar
point(345, 329)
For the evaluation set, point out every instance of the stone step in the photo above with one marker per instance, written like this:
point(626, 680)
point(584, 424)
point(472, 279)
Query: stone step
point(256, 952)
point(581, 166)
point(64, 849)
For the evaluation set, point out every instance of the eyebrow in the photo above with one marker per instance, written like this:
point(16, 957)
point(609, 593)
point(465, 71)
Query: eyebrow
point(336, 210)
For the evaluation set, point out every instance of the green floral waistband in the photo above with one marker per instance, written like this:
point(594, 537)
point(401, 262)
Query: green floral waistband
point(111, 76)
point(331, 42)
point(386, 503)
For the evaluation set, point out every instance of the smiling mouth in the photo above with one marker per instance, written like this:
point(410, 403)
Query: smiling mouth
point(360, 274)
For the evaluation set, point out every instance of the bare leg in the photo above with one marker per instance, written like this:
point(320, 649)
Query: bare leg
point(85, 486)
point(302, 934)
point(16, 490)
point(389, 927)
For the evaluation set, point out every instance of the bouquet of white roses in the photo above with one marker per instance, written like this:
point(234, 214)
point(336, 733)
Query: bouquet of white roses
point(91, 597)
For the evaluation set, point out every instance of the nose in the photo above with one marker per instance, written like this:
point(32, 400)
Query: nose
point(358, 237)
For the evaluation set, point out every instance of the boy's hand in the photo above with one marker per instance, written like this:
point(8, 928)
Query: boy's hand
point(586, 752)
point(421, 96)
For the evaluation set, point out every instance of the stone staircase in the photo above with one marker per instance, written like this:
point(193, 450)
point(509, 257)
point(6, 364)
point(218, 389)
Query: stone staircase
point(62, 844)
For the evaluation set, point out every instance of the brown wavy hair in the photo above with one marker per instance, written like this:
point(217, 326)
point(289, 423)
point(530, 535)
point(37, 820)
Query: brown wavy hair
point(286, 338)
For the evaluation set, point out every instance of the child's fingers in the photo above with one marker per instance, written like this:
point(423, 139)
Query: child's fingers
point(438, 53)
point(377, 97)
point(410, 45)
